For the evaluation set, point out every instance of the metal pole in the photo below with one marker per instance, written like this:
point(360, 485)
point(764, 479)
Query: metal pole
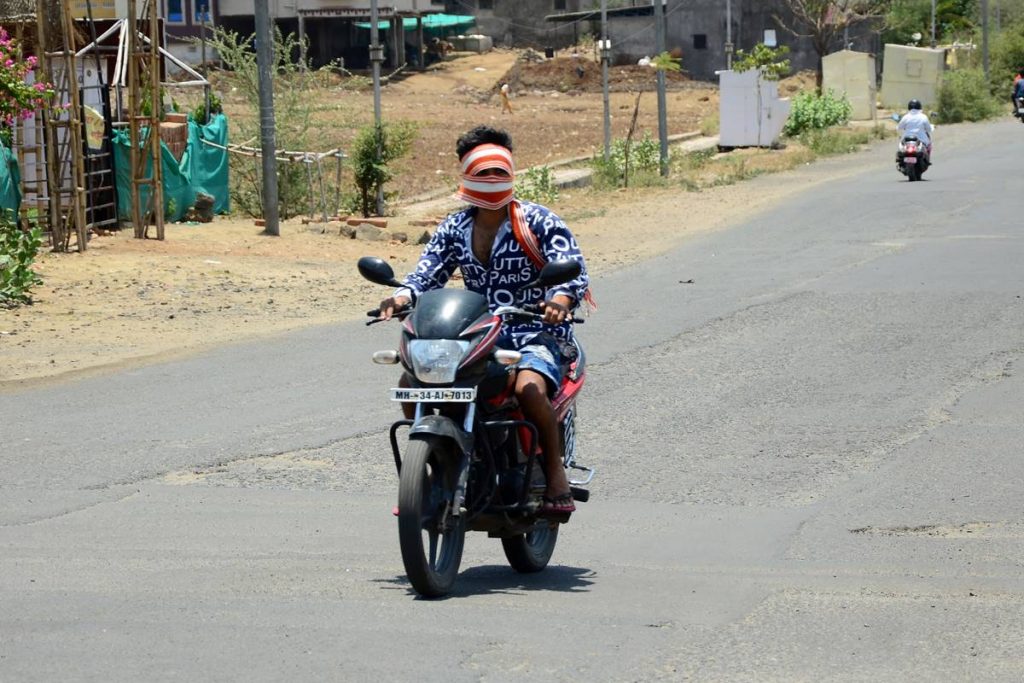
point(202, 41)
point(376, 57)
point(984, 38)
point(934, 43)
point(659, 47)
point(728, 34)
point(264, 59)
point(605, 56)
point(302, 43)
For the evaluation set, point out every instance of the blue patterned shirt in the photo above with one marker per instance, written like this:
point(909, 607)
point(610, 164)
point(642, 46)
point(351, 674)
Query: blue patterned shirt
point(451, 247)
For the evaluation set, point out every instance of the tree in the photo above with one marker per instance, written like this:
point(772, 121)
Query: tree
point(823, 21)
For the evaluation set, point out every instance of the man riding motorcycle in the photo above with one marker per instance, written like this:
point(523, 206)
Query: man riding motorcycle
point(1018, 93)
point(916, 123)
point(499, 244)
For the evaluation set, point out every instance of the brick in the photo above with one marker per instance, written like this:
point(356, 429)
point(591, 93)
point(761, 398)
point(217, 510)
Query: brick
point(376, 222)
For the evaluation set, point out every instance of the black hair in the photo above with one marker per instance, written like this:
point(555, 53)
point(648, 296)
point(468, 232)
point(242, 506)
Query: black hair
point(482, 135)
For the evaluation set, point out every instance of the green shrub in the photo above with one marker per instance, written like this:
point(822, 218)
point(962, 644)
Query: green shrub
point(770, 60)
point(18, 250)
point(371, 173)
point(537, 185)
point(644, 164)
point(826, 142)
point(1007, 58)
point(964, 96)
point(812, 111)
point(199, 113)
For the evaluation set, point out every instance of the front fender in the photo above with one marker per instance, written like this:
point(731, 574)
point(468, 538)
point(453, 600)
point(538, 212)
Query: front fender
point(432, 426)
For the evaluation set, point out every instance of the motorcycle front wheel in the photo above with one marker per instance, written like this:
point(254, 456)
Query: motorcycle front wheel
point(430, 536)
point(530, 552)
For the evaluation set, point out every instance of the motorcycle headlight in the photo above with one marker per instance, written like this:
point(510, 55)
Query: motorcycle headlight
point(435, 361)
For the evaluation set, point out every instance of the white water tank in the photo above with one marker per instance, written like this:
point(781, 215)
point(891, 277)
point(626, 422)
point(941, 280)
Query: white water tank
point(750, 111)
point(852, 74)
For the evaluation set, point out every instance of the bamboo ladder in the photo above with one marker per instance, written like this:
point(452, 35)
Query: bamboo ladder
point(62, 133)
point(31, 153)
point(144, 59)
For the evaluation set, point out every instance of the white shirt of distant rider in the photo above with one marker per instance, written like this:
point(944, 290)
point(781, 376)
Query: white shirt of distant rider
point(501, 280)
point(915, 122)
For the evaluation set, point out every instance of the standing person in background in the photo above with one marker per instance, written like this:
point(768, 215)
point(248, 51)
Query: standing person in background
point(506, 105)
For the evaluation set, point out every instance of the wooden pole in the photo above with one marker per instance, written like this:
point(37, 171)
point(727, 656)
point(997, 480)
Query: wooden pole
point(78, 198)
point(57, 235)
point(154, 120)
point(133, 117)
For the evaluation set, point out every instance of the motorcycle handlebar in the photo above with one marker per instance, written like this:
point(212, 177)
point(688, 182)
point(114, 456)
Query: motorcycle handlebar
point(375, 314)
point(535, 311)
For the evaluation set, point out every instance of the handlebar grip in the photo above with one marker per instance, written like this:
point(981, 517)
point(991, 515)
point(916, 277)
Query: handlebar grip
point(533, 308)
point(375, 313)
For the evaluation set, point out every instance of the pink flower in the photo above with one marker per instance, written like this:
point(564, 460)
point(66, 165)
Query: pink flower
point(9, 63)
point(41, 87)
point(32, 61)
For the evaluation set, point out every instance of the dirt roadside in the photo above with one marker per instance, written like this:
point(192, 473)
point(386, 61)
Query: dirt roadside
point(126, 302)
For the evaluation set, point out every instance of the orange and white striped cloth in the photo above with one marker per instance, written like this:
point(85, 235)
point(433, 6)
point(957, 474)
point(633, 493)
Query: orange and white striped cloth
point(487, 192)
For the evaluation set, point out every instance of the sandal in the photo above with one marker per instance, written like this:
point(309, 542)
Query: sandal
point(559, 505)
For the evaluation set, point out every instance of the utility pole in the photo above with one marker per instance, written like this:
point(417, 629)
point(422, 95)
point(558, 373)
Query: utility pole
point(268, 145)
point(984, 38)
point(659, 48)
point(376, 57)
point(202, 43)
point(728, 34)
point(934, 43)
point(606, 53)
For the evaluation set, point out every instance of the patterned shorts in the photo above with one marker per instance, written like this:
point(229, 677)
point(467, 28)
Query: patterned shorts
point(543, 354)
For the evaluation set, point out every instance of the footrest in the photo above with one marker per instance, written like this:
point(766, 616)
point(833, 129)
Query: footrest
point(578, 494)
point(581, 482)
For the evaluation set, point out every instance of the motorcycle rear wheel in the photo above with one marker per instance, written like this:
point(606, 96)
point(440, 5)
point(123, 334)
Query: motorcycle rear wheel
point(530, 552)
point(430, 537)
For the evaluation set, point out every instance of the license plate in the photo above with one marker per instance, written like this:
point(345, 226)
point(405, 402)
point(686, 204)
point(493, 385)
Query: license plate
point(434, 395)
point(910, 160)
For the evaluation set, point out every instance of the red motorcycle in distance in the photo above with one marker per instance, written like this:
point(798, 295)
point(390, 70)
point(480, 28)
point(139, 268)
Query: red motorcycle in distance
point(471, 462)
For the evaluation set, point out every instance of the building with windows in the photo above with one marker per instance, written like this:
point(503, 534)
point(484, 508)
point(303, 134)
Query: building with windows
point(339, 29)
point(695, 28)
point(186, 21)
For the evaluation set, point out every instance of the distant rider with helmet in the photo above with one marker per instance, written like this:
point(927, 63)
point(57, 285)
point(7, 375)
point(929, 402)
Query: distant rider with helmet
point(915, 122)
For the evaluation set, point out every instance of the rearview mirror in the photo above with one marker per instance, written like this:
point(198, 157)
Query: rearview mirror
point(378, 271)
point(895, 117)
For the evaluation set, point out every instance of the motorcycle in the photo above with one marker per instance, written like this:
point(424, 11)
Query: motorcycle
point(1018, 109)
point(471, 461)
point(912, 158)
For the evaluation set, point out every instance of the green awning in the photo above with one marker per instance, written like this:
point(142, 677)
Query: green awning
point(430, 21)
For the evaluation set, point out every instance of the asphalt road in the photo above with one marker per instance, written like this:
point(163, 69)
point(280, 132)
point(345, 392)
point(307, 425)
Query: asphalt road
point(809, 464)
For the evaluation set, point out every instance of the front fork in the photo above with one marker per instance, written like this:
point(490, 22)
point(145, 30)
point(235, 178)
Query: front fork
point(458, 502)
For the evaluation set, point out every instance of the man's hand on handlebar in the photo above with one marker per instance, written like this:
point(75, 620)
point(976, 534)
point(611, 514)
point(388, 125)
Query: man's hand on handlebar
point(392, 305)
point(556, 309)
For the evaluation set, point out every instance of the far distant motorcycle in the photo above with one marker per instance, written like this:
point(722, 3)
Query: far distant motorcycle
point(912, 159)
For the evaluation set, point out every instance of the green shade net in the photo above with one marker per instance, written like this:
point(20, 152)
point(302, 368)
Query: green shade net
point(10, 180)
point(202, 168)
point(432, 23)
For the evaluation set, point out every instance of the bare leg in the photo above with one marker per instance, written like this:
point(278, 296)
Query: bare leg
point(531, 390)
